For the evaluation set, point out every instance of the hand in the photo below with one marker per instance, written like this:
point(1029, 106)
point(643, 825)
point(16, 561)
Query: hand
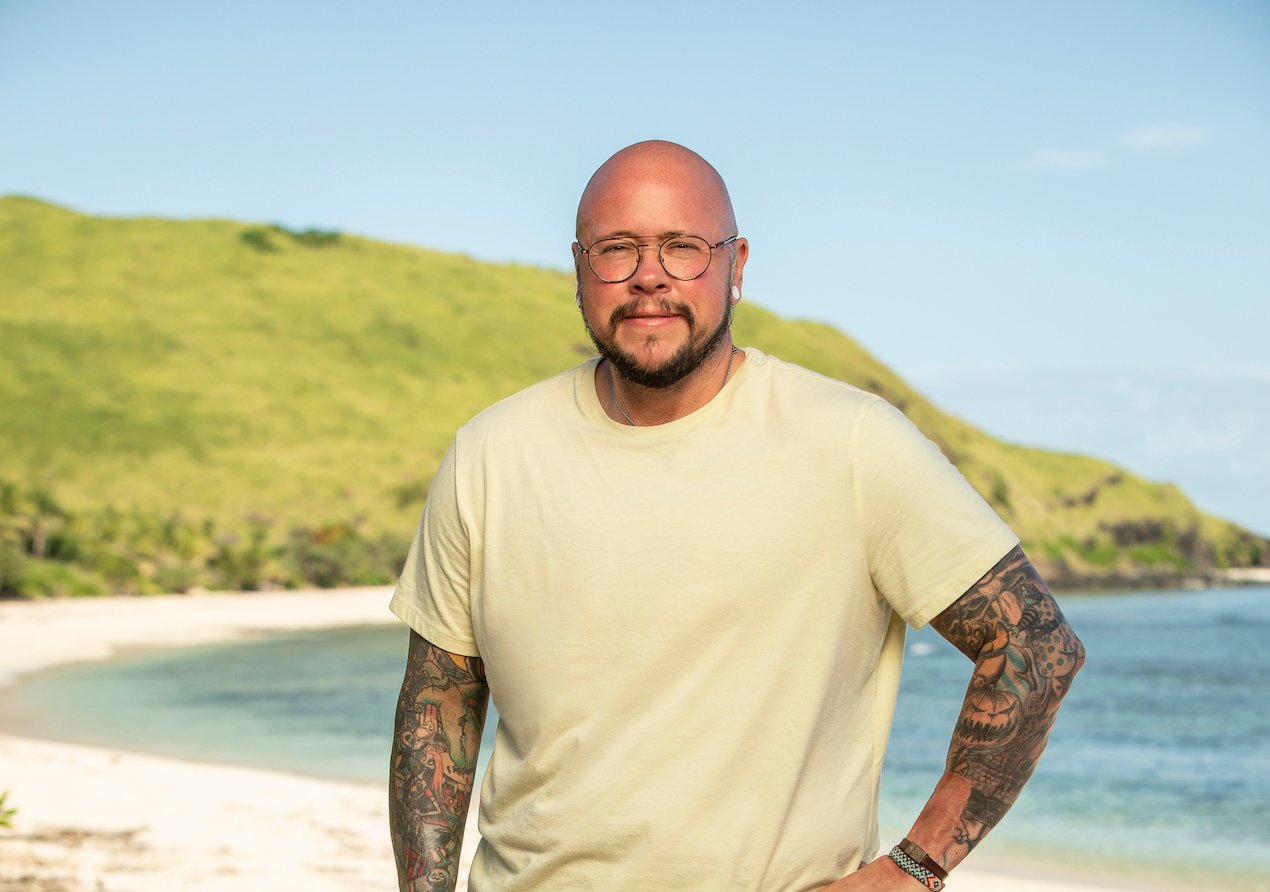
point(881, 875)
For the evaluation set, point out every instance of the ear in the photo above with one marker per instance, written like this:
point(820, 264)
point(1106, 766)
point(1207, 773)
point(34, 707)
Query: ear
point(577, 271)
point(738, 269)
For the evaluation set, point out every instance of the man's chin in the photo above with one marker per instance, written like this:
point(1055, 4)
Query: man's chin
point(653, 374)
point(654, 365)
point(653, 371)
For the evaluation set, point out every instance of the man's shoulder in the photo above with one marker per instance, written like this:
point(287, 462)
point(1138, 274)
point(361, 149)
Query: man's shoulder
point(544, 402)
point(791, 381)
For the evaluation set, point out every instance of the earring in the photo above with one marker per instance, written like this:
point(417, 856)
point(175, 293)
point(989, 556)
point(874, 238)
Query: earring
point(736, 294)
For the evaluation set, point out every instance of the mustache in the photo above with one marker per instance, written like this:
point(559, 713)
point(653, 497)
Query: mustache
point(638, 305)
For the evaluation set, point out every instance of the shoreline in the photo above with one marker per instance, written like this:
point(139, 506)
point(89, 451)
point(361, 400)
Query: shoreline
point(97, 819)
point(41, 634)
point(91, 818)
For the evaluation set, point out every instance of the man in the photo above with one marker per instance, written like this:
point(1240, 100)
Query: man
point(683, 570)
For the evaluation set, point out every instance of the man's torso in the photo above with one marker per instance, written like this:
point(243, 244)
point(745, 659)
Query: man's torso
point(683, 632)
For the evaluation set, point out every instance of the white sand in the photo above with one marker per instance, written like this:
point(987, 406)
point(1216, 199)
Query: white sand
point(96, 820)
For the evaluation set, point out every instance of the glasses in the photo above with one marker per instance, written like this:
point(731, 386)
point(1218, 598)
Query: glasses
point(683, 257)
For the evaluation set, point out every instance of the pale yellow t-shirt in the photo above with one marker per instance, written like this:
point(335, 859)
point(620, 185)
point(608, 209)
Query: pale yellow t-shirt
point(692, 632)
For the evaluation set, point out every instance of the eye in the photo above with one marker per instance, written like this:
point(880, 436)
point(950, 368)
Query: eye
point(686, 246)
point(613, 249)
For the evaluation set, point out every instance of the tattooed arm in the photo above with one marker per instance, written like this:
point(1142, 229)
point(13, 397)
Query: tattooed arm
point(437, 736)
point(1025, 657)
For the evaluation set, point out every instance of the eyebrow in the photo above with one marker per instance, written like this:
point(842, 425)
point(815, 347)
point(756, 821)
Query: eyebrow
point(626, 233)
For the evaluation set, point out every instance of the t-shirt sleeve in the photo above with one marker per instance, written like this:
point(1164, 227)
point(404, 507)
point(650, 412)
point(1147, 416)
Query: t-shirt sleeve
point(433, 596)
point(930, 536)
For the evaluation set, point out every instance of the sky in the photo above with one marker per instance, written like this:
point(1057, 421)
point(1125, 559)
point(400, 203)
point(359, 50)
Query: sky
point(1052, 219)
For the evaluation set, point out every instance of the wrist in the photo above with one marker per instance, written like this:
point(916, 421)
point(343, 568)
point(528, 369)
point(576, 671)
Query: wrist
point(911, 858)
point(922, 857)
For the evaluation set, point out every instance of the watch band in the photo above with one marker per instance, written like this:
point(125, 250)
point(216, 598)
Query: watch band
point(918, 854)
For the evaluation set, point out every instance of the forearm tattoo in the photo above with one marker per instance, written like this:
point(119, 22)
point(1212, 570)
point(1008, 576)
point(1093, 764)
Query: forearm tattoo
point(440, 715)
point(1025, 657)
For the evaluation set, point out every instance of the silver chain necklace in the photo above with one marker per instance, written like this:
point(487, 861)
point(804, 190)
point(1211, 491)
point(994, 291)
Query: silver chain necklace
point(632, 422)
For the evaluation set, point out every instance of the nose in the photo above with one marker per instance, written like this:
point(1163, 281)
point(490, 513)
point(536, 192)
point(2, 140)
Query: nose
point(650, 275)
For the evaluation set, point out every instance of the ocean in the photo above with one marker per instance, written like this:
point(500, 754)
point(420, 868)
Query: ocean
point(1159, 765)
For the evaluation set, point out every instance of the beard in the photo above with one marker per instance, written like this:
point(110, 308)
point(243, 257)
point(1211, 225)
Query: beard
point(687, 359)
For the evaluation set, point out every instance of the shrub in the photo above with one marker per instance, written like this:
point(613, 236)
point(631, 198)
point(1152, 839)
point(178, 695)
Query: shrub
point(1001, 492)
point(310, 238)
point(6, 814)
point(1158, 554)
point(339, 555)
point(258, 239)
point(12, 566)
point(177, 578)
point(43, 579)
point(129, 551)
point(245, 568)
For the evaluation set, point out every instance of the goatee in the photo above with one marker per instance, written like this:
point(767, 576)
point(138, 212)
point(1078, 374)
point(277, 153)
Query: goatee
point(686, 360)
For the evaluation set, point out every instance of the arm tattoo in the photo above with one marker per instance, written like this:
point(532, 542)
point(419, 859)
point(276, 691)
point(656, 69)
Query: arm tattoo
point(440, 715)
point(1025, 658)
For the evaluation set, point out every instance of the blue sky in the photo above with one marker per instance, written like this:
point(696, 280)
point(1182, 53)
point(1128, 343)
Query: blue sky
point(1054, 219)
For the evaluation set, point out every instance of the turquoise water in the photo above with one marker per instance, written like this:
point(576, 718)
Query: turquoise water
point(1161, 752)
point(1162, 749)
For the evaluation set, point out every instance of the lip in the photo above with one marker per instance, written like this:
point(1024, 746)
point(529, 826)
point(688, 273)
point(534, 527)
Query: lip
point(650, 320)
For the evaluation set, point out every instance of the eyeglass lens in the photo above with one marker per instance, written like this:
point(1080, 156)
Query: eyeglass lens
point(615, 259)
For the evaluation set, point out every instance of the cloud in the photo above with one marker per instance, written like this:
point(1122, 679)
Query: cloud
point(1166, 137)
point(1067, 159)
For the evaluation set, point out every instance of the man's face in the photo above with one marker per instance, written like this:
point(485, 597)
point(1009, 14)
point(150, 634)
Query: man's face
point(649, 367)
point(656, 329)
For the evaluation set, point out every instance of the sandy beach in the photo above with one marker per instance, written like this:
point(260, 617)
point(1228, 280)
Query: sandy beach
point(98, 820)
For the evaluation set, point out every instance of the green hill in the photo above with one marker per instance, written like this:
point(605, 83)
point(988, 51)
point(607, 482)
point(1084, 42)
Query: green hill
point(206, 402)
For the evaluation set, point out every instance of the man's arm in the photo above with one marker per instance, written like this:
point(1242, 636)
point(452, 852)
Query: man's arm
point(1025, 657)
point(436, 739)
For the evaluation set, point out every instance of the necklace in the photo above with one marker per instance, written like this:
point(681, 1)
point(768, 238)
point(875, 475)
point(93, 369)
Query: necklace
point(633, 423)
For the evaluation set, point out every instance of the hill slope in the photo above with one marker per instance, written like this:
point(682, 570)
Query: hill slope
point(250, 380)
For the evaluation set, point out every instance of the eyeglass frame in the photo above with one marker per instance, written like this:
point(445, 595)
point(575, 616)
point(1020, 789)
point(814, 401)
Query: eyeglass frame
point(639, 251)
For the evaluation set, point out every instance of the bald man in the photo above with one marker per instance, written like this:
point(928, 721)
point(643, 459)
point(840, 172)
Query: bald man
point(683, 572)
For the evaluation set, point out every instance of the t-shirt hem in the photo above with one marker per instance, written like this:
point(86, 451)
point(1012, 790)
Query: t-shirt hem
point(415, 618)
point(983, 560)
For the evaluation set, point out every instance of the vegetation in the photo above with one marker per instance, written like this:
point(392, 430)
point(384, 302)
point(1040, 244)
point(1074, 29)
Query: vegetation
point(261, 237)
point(48, 550)
point(205, 403)
point(6, 814)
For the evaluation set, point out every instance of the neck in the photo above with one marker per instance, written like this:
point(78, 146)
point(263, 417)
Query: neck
point(633, 404)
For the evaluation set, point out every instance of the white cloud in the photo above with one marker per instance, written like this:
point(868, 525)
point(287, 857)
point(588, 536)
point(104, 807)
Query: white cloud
point(1163, 136)
point(1234, 374)
point(1067, 159)
point(1166, 137)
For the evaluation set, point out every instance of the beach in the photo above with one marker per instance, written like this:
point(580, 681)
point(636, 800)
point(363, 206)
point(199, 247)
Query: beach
point(91, 819)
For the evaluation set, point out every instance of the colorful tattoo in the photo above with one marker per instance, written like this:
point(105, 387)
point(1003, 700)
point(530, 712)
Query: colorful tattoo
point(440, 715)
point(1025, 658)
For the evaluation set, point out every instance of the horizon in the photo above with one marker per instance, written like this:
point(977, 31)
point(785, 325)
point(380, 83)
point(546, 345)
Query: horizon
point(1056, 219)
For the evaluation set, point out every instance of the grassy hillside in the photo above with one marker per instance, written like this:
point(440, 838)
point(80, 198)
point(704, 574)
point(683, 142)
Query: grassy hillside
point(235, 386)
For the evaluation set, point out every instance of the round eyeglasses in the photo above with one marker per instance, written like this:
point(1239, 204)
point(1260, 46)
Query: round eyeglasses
point(683, 257)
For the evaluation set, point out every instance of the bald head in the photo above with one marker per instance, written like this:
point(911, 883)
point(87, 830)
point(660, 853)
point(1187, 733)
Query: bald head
point(640, 186)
